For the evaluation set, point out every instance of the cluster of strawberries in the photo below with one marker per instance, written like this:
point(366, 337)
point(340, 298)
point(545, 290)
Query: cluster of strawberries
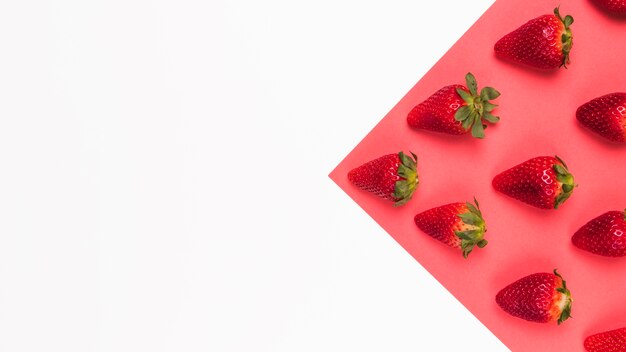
point(544, 182)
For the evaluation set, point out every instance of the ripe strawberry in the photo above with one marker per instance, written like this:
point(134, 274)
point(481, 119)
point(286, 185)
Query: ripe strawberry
point(604, 235)
point(608, 341)
point(616, 7)
point(392, 177)
point(459, 225)
point(605, 116)
point(543, 182)
point(541, 298)
point(544, 42)
point(456, 109)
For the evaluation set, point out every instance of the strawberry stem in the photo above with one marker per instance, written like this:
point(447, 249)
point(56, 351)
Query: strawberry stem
point(567, 39)
point(567, 182)
point(566, 312)
point(478, 107)
point(475, 236)
point(407, 170)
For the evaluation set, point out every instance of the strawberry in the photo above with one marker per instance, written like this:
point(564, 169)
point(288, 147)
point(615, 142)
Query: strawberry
point(605, 116)
point(544, 42)
point(541, 298)
point(456, 109)
point(604, 235)
point(392, 177)
point(616, 7)
point(459, 225)
point(608, 341)
point(543, 182)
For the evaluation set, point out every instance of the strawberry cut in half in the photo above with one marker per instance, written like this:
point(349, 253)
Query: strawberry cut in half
point(614, 7)
point(540, 298)
point(544, 42)
point(393, 177)
point(456, 110)
point(607, 341)
point(458, 225)
point(605, 116)
point(543, 182)
point(604, 235)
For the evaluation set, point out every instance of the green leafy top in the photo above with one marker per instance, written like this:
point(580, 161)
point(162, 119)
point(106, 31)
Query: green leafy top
point(567, 310)
point(478, 107)
point(405, 187)
point(567, 182)
point(474, 236)
point(567, 39)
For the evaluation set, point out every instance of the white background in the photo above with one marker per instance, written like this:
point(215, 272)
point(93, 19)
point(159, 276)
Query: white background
point(164, 177)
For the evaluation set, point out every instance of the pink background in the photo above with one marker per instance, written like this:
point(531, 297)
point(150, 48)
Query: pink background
point(538, 118)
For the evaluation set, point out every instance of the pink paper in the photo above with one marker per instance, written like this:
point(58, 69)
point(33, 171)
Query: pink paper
point(538, 118)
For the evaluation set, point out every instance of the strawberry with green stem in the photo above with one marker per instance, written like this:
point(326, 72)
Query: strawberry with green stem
point(544, 42)
point(458, 225)
point(540, 298)
point(543, 182)
point(456, 109)
point(393, 177)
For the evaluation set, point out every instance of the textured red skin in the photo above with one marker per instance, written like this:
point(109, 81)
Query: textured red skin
point(378, 176)
point(606, 116)
point(605, 235)
point(537, 43)
point(441, 222)
point(437, 112)
point(533, 182)
point(533, 298)
point(616, 7)
point(608, 341)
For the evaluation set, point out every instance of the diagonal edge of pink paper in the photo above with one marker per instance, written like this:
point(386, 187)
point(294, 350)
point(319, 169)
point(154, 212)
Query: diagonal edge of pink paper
point(537, 110)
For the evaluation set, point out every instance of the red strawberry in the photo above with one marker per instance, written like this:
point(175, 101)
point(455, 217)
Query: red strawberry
point(543, 182)
point(392, 177)
point(608, 341)
point(456, 109)
point(605, 116)
point(544, 42)
point(616, 7)
point(604, 235)
point(459, 225)
point(541, 298)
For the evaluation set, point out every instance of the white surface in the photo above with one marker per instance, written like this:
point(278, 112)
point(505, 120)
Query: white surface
point(164, 183)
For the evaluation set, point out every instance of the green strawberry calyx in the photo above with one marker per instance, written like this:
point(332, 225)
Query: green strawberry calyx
point(478, 107)
point(475, 235)
point(567, 182)
point(408, 182)
point(566, 309)
point(567, 39)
